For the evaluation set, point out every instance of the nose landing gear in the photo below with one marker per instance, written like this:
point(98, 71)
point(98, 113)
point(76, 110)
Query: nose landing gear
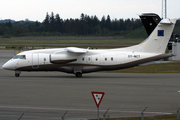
point(17, 73)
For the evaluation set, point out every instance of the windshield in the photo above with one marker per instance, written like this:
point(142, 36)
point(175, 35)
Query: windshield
point(19, 57)
point(16, 57)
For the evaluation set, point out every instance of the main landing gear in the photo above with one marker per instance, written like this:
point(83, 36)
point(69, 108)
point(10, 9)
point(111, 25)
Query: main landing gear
point(78, 74)
point(17, 73)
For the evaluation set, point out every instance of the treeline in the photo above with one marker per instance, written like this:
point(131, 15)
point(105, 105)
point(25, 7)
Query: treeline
point(53, 25)
point(89, 25)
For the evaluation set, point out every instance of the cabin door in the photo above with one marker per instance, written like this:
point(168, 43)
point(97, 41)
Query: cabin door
point(35, 60)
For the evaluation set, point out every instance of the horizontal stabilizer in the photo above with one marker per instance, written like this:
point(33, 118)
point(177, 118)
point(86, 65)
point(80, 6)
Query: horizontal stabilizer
point(166, 21)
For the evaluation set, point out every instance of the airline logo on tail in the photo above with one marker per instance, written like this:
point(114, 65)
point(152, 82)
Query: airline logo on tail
point(160, 32)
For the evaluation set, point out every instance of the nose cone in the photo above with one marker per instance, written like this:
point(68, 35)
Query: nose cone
point(8, 66)
point(5, 66)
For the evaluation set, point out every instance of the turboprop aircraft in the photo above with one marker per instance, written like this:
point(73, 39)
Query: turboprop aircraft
point(79, 61)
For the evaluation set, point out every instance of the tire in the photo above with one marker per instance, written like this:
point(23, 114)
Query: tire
point(78, 74)
point(17, 75)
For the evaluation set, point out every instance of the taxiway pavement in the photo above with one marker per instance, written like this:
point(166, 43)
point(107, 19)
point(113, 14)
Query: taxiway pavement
point(48, 95)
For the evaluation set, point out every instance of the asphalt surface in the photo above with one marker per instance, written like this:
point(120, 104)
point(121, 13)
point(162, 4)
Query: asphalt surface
point(48, 95)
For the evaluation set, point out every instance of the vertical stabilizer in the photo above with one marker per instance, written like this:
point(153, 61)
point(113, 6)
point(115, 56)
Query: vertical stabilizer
point(150, 21)
point(158, 39)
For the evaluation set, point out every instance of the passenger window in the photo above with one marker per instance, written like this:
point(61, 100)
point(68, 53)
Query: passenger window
point(111, 58)
point(105, 59)
point(96, 59)
point(83, 59)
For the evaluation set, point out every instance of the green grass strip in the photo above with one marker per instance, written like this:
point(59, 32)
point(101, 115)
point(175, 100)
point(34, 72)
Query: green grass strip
point(173, 67)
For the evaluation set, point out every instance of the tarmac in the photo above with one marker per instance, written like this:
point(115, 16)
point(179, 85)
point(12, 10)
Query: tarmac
point(48, 95)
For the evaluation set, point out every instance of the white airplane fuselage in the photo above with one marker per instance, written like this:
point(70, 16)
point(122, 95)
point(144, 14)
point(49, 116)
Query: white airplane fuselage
point(78, 60)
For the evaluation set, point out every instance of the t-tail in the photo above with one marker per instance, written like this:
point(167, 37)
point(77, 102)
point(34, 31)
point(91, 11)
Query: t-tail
point(158, 39)
point(150, 21)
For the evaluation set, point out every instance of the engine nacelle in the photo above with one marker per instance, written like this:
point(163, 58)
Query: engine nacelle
point(62, 58)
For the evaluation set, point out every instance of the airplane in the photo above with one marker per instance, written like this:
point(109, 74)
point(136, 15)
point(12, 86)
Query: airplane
point(79, 61)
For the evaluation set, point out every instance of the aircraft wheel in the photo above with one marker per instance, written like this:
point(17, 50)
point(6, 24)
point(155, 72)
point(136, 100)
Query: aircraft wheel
point(17, 75)
point(78, 74)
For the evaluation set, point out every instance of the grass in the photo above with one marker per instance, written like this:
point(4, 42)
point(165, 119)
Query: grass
point(163, 117)
point(21, 42)
point(69, 41)
point(173, 67)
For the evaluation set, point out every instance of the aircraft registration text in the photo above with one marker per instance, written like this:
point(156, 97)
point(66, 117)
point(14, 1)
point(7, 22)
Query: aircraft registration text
point(133, 56)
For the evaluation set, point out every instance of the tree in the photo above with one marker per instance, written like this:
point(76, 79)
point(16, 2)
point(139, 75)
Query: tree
point(82, 17)
point(178, 22)
point(46, 23)
point(122, 25)
point(76, 27)
point(97, 30)
point(128, 24)
point(38, 26)
point(52, 23)
point(67, 26)
point(103, 22)
point(114, 25)
point(108, 22)
point(58, 23)
point(95, 21)
point(84, 26)
point(10, 27)
point(3, 29)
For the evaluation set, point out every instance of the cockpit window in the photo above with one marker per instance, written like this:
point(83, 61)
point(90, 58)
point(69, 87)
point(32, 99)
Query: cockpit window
point(19, 57)
point(22, 57)
point(16, 57)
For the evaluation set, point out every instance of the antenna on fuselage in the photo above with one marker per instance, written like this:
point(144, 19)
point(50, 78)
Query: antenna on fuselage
point(164, 9)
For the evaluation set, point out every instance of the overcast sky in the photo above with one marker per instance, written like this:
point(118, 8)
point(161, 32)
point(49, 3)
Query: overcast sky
point(37, 9)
